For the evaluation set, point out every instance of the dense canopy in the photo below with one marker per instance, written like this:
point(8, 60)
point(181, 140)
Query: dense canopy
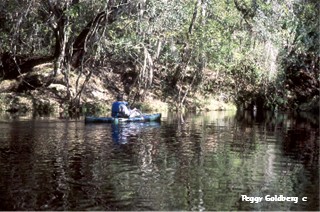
point(251, 52)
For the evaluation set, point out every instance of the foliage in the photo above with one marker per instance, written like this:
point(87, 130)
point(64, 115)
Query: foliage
point(247, 45)
point(298, 81)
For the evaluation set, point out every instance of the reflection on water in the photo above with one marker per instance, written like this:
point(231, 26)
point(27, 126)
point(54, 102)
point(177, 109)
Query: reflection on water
point(186, 162)
point(123, 132)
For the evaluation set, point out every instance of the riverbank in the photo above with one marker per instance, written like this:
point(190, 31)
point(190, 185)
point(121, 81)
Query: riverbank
point(96, 96)
point(93, 91)
point(39, 101)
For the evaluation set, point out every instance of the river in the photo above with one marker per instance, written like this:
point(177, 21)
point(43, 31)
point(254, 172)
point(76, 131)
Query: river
point(208, 161)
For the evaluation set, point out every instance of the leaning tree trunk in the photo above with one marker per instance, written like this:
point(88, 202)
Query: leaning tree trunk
point(79, 47)
point(70, 52)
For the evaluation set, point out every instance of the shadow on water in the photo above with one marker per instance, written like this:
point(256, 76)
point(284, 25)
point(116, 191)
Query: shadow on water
point(297, 139)
point(187, 162)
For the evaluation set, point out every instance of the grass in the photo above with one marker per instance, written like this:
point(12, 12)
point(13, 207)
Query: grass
point(152, 106)
point(213, 104)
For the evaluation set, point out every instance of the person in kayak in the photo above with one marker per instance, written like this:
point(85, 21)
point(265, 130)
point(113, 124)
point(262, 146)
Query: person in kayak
point(120, 109)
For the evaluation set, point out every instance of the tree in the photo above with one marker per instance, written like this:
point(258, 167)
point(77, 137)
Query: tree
point(233, 48)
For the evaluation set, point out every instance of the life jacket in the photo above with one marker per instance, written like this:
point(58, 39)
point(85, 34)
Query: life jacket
point(115, 110)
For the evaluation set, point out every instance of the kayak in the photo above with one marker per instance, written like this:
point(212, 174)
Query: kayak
point(143, 118)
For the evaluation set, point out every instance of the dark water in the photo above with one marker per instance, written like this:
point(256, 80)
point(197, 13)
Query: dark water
point(187, 162)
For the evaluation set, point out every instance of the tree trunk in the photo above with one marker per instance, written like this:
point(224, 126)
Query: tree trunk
point(79, 46)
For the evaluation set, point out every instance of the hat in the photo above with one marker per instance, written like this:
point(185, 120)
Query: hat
point(120, 97)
